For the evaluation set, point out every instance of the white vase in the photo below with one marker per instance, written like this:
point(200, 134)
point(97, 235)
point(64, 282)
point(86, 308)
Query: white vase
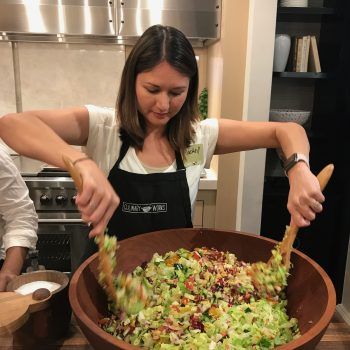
point(281, 52)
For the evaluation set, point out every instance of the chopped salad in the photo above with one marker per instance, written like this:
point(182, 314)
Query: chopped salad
point(204, 299)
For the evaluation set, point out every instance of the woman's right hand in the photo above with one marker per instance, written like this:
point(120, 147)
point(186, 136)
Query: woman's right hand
point(98, 200)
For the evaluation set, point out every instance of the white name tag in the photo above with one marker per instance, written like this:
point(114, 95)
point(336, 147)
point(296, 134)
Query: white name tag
point(194, 155)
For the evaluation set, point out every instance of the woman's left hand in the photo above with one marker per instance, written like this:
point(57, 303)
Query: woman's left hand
point(305, 196)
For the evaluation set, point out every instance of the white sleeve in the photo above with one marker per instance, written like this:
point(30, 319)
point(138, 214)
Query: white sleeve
point(103, 142)
point(209, 132)
point(16, 208)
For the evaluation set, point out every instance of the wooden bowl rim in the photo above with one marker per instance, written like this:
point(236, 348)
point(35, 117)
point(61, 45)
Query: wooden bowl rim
point(64, 284)
point(316, 329)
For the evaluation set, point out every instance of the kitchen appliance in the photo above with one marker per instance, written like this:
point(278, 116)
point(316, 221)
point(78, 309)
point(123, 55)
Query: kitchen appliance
point(62, 235)
point(107, 21)
point(310, 292)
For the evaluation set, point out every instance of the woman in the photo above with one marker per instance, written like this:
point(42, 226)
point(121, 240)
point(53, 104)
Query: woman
point(153, 148)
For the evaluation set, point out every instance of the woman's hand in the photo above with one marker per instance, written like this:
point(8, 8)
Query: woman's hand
point(305, 196)
point(98, 200)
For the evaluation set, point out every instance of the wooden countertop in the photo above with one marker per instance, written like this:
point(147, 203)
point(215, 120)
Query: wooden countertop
point(337, 337)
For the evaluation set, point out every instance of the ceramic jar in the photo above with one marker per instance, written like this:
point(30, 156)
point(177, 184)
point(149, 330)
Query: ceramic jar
point(281, 52)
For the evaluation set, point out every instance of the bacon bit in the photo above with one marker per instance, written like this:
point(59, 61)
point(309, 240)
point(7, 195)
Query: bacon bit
point(184, 300)
point(175, 307)
point(196, 255)
point(189, 285)
point(247, 297)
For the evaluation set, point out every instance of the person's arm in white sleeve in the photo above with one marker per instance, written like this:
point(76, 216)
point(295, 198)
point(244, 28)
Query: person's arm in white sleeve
point(18, 217)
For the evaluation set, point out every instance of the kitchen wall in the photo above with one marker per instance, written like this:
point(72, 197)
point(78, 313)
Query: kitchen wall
point(7, 81)
point(239, 82)
point(55, 75)
point(225, 78)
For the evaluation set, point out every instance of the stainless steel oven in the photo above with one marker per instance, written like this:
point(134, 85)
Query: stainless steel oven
point(62, 235)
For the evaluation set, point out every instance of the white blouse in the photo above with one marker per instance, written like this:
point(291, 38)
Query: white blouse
point(104, 144)
point(18, 219)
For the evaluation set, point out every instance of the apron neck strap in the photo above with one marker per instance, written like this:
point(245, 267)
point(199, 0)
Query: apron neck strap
point(125, 146)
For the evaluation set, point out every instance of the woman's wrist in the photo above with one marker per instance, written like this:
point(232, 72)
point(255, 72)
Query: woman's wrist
point(81, 159)
point(293, 160)
point(299, 166)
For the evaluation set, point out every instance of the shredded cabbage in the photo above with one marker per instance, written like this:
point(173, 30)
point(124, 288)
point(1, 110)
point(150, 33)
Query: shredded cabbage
point(205, 299)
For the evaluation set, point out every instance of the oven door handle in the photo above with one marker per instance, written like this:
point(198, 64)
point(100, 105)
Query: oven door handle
point(61, 221)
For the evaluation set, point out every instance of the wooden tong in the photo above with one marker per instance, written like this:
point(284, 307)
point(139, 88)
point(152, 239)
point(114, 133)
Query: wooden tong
point(105, 265)
point(271, 277)
point(127, 293)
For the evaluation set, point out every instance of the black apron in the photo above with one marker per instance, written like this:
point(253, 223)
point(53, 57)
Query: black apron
point(148, 202)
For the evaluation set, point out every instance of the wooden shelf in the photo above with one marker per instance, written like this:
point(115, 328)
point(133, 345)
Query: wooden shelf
point(306, 11)
point(301, 75)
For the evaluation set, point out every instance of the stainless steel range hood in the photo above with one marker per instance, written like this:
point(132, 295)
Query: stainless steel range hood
point(111, 21)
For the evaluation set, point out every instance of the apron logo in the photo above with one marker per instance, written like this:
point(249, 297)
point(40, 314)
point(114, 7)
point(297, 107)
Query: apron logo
point(150, 208)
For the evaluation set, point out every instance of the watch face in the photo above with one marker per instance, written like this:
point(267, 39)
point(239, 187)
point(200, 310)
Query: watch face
point(290, 162)
point(293, 159)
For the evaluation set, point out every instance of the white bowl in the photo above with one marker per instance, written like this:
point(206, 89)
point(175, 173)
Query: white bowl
point(289, 115)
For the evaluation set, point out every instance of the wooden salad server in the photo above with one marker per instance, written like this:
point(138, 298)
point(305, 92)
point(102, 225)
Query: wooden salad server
point(125, 292)
point(104, 262)
point(15, 308)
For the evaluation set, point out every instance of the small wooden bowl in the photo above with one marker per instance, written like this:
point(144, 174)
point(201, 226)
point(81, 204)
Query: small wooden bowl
point(310, 292)
point(52, 322)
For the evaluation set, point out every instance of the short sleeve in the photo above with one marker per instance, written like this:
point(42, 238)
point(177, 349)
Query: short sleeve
point(209, 130)
point(103, 142)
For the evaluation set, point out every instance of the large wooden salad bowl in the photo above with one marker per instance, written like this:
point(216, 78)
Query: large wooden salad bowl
point(310, 292)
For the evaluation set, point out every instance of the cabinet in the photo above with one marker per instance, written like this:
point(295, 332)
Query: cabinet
point(204, 214)
point(327, 95)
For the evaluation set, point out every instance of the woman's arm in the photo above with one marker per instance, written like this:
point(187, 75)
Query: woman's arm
point(242, 136)
point(46, 135)
point(15, 257)
point(305, 195)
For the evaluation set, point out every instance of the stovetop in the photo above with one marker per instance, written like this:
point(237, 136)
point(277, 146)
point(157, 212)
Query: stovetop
point(53, 172)
point(47, 172)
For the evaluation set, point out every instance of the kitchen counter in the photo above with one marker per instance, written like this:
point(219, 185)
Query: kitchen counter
point(337, 337)
point(209, 182)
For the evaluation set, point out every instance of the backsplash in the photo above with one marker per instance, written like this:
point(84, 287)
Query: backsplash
point(54, 75)
point(62, 75)
point(7, 81)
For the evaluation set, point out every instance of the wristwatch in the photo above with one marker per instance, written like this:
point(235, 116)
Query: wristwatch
point(294, 159)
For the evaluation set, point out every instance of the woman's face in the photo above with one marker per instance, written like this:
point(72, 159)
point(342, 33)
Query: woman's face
point(160, 94)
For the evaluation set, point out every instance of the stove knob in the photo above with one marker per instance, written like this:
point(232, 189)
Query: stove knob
point(73, 199)
point(61, 199)
point(45, 199)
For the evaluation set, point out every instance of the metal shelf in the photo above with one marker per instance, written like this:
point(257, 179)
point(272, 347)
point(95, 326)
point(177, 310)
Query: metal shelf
point(301, 75)
point(306, 11)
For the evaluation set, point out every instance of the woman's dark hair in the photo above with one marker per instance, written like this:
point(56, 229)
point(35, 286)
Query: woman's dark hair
point(158, 43)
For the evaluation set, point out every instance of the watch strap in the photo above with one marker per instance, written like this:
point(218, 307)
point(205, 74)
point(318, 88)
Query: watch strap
point(294, 159)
